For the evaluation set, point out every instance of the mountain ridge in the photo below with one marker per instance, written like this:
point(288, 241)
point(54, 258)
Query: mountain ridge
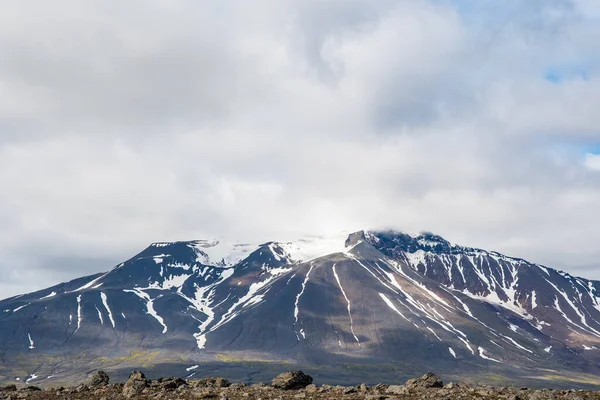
point(369, 298)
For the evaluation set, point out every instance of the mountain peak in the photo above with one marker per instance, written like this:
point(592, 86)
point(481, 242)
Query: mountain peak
point(426, 241)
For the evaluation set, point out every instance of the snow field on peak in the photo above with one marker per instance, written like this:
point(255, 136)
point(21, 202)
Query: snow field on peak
point(221, 252)
point(310, 248)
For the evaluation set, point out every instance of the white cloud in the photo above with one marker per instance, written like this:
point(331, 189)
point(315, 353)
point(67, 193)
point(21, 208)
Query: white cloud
point(123, 124)
point(592, 161)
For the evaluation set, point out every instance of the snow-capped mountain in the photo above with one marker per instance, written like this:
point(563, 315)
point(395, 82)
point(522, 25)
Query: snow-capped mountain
point(414, 302)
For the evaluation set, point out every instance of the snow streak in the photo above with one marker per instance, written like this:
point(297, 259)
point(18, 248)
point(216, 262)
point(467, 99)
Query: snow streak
point(149, 306)
point(347, 301)
point(105, 302)
point(296, 309)
point(31, 344)
point(79, 316)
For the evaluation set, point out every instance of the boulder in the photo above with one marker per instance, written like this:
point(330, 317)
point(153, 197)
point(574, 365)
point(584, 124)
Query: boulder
point(292, 380)
point(210, 382)
point(31, 389)
point(396, 389)
point(135, 384)
point(171, 383)
point(429, 380)
point(312, 388)
point(99, 379)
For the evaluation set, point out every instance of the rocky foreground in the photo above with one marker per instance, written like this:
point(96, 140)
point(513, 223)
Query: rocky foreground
point(289, 385)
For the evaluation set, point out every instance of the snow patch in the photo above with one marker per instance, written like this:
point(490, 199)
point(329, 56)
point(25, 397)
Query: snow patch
point(90, 284)
point(48, 296)
point(482, 355)
point(20, 308)
point(452, 352)
point(100, 316)
point(79, 316)
point(310, 248)
point(31, 344)
point(222, 253)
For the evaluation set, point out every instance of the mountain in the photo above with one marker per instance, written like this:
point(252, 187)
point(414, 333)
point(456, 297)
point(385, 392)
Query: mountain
point(369, 306)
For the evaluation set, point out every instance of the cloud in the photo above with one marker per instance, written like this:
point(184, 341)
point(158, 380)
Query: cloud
point(592, 161)
point(123, 124)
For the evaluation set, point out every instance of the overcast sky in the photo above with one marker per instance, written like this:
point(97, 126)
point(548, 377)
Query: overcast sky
point(124, 123)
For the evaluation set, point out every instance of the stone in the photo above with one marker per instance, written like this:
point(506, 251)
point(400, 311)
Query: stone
point(136, 383)
point(210, 382)
point(349, 390)
point(312, 388)
point(429, 380)
point(325, 388)
point(172, 383)
point(292, 380)
point(380, 387)
point(397, 389)
point(99, 379)
point(32, 389)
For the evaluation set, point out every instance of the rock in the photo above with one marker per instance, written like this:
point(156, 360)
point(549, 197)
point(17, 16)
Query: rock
point(31, 389)
point(380, 387)
point(237, 386)
point(210, 382)
point(542, 395)
point(312, 388)
point(349, 390)
point(362, 388)
point(9, 388)
point(82, 388)
point(205, 393)
point(451, 386)
point(397, 389)
point(292, 380)
point(325, 388)
point(136, 383)
point(99, 379)
point(429, 380)
point(171, 383)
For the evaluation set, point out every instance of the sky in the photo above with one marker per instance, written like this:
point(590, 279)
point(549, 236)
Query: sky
point(126, 123)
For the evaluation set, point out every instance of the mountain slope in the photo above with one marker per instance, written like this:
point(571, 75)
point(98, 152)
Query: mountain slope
point(372, 299)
